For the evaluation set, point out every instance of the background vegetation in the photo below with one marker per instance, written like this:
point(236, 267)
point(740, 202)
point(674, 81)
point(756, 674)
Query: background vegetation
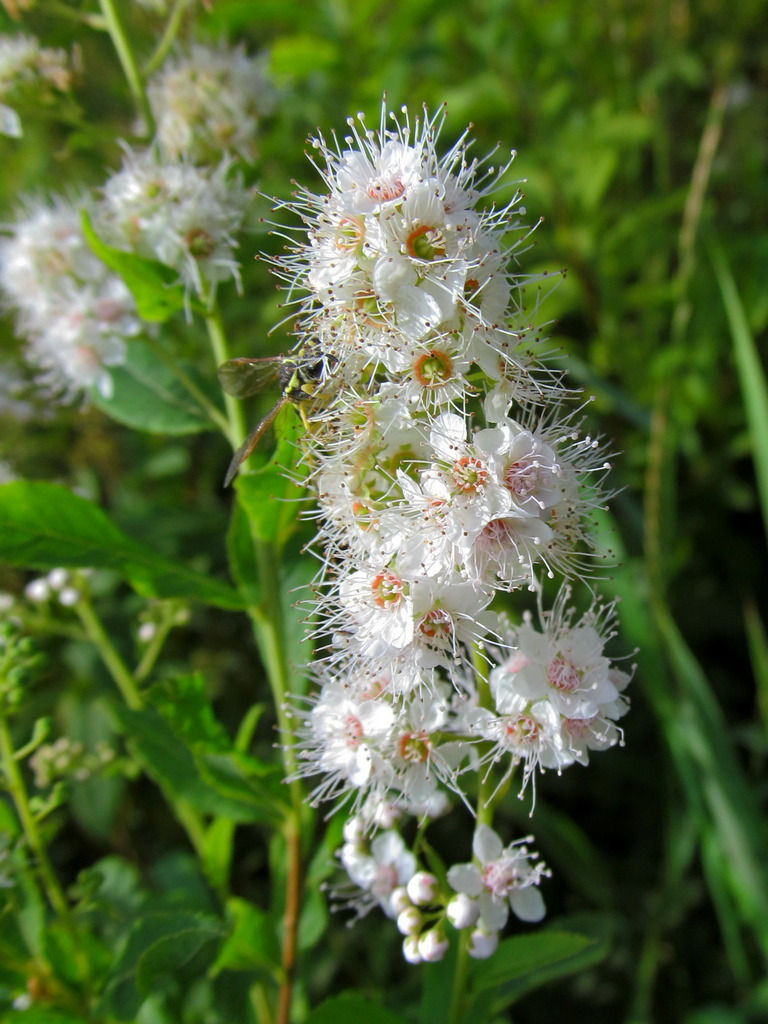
point(641, 131)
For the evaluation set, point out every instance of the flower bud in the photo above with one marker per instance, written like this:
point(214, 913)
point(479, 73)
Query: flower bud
point(462, 911)
point(433, 946)
point(411, 949)
point(423, 888)
point(399, 900)
point(37, 590)
point(409, 921)
point(483, 944)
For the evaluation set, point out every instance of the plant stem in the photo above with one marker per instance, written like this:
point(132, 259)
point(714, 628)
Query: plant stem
point(459, 994)
point(17, 789)
point(155, 645)
point(195, 392)
point(237, 429)
point(125, 55)
point(168, 37)
point(121, 674)
point(267, 618)
point(268, 626)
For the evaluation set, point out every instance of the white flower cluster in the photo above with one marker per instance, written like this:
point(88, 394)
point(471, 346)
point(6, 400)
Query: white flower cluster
point(447, 474)
point(29, 72)
point(208, 101)
point(76, 314)
point(185, 216)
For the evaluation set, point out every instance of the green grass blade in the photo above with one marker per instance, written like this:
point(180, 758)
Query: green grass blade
point(754, 388)
point(758, 654)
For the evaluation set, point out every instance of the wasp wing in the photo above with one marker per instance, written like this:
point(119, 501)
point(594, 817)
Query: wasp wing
point(244, 377)
point(251, 441)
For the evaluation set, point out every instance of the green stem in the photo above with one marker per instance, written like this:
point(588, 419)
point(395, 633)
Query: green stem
point(62, 10)
point(268, 626)
point(196, 393)
point(121, 674)
point(459, 993)
point(218, 339)
point(126, 684)
point(486, 785)
point(17, 789)
point(125, 55)
point(168, 37)
point(155, 645)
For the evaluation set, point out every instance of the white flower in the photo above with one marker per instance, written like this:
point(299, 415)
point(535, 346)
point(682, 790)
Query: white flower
point(388, 866)
point(75, 313)
point(29, 73)
point(502, 878)
point(342, 739)
point(561, 679)
point(181, 215)
point(207, 101)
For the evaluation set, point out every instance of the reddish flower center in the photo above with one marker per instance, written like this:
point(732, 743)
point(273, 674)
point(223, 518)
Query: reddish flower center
point(414, 747)
point(425, 243)
point(353, 731)
point(523, 729)
point(436, 624)
point(521, 478)
point(387, 590)
point(563, 675)
point(433, 369)
point(470, 474)
point(385, 189)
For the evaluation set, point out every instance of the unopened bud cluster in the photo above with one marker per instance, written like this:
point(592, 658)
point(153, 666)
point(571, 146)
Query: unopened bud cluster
point(451, 469)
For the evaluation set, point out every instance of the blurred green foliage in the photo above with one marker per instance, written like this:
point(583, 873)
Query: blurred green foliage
point(641, 130)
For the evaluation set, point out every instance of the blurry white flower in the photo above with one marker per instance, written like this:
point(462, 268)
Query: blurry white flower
point(208, 100)
point(29, 72)
point(74, 312)
point(184, 216)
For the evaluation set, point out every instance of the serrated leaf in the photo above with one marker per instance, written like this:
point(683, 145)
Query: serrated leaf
point(184, 704)
point(43, 526)
point(252, 943)
point(252, 788)
point(159, 943)
point(147, 395)
point(216, 785)
point(349, 1008)
point(156, 289)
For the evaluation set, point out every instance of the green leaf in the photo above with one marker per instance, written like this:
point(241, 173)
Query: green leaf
point(300, 55)
point(159, 943)
point(754, 388)
point(270, 496)
point(349, 1008)
point(155, 287)
point(147, 395)
point(242, 556)
point(217, 785)
point(252, 790)
point(184, 704)
point(252, 943)
point(43, 526)
point(525, 962)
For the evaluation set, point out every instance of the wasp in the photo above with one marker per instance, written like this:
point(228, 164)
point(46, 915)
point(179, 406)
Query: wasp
point(300, 377)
